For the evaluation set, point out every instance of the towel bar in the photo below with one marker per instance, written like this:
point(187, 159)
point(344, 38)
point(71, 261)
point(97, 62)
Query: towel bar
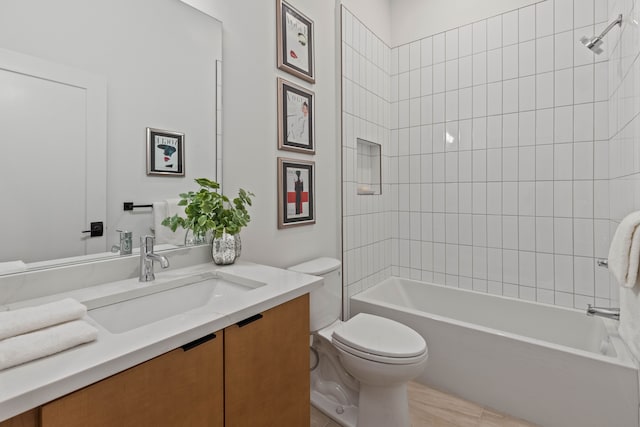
point(129, 206)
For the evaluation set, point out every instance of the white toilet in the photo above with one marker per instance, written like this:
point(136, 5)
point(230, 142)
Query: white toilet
point(360, 367)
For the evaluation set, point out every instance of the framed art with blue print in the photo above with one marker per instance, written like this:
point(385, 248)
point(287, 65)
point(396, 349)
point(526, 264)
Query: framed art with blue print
point(165, 152)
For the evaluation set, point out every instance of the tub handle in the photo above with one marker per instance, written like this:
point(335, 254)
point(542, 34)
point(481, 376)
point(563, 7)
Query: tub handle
point(608, 312)
point(603, 262)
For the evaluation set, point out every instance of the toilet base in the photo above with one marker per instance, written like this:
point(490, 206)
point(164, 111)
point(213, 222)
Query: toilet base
point(377, 407)
point(346, 416)
point(333, 391)
point(383, 406)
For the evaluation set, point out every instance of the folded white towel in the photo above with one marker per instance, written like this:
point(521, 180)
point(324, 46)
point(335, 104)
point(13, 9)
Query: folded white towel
point(629, 328)
point(44, 342)
point(163, 234)
point(12, 267)
point(624, 252)
point(23, 320)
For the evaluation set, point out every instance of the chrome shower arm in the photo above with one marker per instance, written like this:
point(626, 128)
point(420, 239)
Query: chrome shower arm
point(618, 22)
point(594, 43)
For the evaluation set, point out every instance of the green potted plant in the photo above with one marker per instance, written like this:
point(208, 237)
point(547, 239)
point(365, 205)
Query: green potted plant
point(207, 210)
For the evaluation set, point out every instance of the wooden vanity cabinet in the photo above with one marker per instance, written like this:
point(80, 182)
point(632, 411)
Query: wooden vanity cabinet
point(267, 368)
point(255, 373)
point(181, 388)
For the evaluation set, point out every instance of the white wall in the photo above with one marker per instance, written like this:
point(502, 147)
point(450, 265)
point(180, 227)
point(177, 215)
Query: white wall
point(414, 19)
point(250, 127)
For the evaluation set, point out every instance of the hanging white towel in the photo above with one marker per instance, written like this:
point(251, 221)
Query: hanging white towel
point(629, 328)
point(173, 208)
point(162, 210)
point(159, 214)
point(45, 342)
point(624, 252)
point(23, 320)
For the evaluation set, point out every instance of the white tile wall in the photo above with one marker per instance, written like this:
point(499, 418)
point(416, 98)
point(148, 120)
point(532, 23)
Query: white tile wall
point(518, 203)
point(371, 101)
point(623, 74)
point(508, 149)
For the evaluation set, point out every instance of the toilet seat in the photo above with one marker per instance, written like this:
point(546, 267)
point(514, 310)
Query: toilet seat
point(380, 340)
point(380, 359)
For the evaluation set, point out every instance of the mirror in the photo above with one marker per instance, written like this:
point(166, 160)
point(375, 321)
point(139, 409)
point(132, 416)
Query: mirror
point(119, 67)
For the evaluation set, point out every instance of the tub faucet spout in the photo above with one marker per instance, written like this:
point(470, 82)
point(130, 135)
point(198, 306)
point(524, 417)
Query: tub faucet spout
point(147, 257)
point(608, 312)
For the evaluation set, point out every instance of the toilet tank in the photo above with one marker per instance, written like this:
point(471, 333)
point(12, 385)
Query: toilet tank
point(325, 302)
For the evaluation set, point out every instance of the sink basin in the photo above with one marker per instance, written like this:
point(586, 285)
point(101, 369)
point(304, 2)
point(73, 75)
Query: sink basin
point(162, 303)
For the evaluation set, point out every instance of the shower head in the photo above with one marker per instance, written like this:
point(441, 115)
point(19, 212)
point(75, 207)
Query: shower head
point(594, 43)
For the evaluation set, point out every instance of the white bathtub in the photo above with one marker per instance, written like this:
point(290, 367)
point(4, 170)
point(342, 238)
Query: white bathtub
point(548, 365)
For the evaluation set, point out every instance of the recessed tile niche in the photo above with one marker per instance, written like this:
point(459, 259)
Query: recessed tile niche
point(369, 164)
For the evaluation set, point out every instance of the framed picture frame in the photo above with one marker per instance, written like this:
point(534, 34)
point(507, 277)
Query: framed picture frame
point(296, 110)
point(165, 153)
point(295, 42)
point(296, 192)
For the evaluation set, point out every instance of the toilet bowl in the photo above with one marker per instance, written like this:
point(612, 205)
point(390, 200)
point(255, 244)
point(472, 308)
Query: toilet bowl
point(383, 355)
point(360, 367)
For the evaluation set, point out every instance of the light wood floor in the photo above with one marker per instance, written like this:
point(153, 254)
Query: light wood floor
point(432, 408)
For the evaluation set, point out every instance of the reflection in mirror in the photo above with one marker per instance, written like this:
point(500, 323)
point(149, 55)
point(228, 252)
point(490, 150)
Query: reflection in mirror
point(80, 82)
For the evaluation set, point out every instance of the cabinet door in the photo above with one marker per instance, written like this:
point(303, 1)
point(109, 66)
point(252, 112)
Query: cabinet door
point(181, 388)
point(267, 368)
point(26, 419)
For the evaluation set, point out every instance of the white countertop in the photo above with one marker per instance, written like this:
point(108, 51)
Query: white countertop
point(34, 383)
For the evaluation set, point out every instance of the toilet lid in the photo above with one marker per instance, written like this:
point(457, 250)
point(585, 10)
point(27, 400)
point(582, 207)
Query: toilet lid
point(380, 336)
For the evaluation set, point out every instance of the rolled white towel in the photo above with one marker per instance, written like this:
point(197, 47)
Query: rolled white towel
point(23, 320)
point(624, 252)
point(45, 342)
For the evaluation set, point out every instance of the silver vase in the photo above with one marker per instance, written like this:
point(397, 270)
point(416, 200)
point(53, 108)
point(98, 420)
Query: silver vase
point(193, 239)
point(224, 249)
point(238, 245)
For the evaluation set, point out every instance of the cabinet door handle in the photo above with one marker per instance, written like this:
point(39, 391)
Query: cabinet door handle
point(195, 343)
point(248, 320)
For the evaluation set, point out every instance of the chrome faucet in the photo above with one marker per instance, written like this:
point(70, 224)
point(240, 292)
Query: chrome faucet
point(125, 243)
point(147, 257)
point(610, 313)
